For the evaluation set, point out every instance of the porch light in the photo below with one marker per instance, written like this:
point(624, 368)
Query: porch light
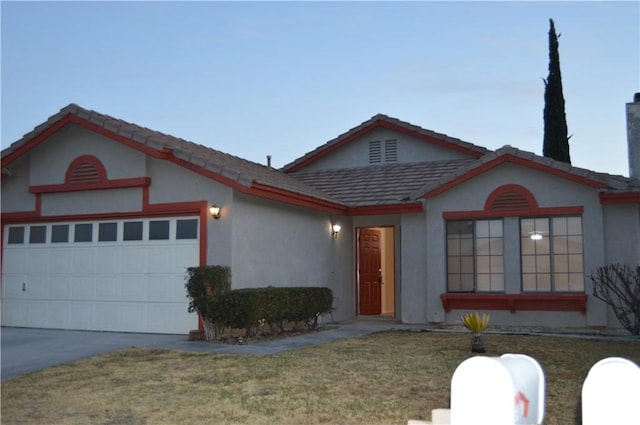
point(214, 211)
point(335, 229)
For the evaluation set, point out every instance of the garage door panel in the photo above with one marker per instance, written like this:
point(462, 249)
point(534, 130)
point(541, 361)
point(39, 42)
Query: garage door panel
point(17, 260)
point(108, 260)
point(107, 288)
point(38, 260)
point(59, 287)
point(37, 287)
point(135, 286)
point(37, 314)
point(57, 313)
point(82, 259)
point(60, 261)
point(82, 288)
point(134, 260)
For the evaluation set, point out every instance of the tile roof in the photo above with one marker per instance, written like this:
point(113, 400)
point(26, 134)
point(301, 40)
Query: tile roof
point(231, 167)
point(379, 184)
point(381, 118)
point(611, 183)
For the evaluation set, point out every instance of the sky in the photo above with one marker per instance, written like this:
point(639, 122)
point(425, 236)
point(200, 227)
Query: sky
point(253, 79)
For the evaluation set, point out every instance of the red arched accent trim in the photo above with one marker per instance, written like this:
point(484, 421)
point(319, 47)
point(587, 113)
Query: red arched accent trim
point(85, 169)
point(510, 197)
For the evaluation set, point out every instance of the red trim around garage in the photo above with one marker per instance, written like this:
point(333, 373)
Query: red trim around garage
point(515, 302)
point(386, 209)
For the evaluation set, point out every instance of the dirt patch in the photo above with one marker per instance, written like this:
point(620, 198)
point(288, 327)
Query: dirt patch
point(240, 337)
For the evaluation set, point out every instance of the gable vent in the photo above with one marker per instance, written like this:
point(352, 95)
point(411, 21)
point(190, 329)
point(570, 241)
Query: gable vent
point(84, 173)
point(510, 200)
point(390, 151)
point(375, 151)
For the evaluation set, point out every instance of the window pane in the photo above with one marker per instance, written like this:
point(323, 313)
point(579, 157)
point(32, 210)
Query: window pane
point(528, 246)
point(482, 247)
point(16, 235)
point(529, 264)
point(454, 265)
point(496, 246)
point(574, 244)
point(483, 265)
point(159, 230)
point(83, 232)
point(575, 264)
point(560, 245)
point(542, 245)
point(543, 264)
point(561, 282)
point(559, 225)
point(466, 282)
point(60, 233)
point(466, 246)
point(454, 283)
point(561, 263)
point(544, 282)
point(574, 225)
point(482, 229)
point(529, 282)
point(187, 229)
point(453, 229)
point(542, 225)
point(453, 246)
point(497, 282)
point(132, 231)
point(495, 228)
point(497, 264)
point(37, 234)
point(466, 264)
point(526, 227)
point(484, 282)
point(107, 232)
point(576, 282)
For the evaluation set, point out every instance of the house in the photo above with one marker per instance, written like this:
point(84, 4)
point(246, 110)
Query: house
point(100, 218)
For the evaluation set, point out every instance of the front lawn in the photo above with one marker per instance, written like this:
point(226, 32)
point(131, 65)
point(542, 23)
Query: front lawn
point(383, 378)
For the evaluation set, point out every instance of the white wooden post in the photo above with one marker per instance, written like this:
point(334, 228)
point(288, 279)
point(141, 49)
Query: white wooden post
point(611, 393)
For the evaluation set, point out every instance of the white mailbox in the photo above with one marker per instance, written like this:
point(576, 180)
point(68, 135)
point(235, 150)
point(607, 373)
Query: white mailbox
point(611, 393)
point(504, 390)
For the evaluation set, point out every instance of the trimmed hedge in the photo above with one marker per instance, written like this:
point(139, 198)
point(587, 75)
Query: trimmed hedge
point(210, 295)
point(255, 307)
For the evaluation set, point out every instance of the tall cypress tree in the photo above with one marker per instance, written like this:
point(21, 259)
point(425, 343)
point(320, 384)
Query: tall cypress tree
point(556, 142)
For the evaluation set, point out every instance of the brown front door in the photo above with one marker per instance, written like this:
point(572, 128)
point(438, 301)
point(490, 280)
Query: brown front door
point(370, 272)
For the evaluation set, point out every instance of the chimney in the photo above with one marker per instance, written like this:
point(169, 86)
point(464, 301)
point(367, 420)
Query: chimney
point(269, 156)
point(633, 136)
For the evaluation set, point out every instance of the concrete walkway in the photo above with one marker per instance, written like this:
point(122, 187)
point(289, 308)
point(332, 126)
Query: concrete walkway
point(26, 350)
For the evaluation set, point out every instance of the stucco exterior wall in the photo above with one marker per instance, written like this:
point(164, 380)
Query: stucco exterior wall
point(60, 149)
point(356, 152)
point(280, 245)
point(471, 196)
point(15, 188)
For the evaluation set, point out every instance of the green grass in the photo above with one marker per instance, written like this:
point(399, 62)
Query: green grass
point(383, 378)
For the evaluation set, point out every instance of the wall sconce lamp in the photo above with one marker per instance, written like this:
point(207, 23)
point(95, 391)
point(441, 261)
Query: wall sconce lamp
point(335, 229)
point(214, 211)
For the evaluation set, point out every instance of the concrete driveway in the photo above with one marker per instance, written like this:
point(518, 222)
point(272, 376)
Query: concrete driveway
point(26, 350)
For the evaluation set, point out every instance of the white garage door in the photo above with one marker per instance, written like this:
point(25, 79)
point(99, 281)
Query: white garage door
point(116, 275)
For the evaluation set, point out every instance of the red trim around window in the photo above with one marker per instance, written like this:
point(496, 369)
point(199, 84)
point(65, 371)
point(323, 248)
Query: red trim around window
point(515, 302)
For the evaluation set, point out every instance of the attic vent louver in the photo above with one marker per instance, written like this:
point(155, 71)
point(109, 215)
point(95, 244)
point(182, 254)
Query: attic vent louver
point(85, 169)
point(84, 173)
point(390, 151)
point(375, 151)
point(510, 200)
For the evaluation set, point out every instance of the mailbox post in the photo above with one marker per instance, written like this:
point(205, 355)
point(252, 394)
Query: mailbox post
point(504, 390)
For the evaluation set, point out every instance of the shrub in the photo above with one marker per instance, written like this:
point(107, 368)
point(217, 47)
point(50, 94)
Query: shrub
point(253, 308)
point(203, 284)
point(619, 286)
